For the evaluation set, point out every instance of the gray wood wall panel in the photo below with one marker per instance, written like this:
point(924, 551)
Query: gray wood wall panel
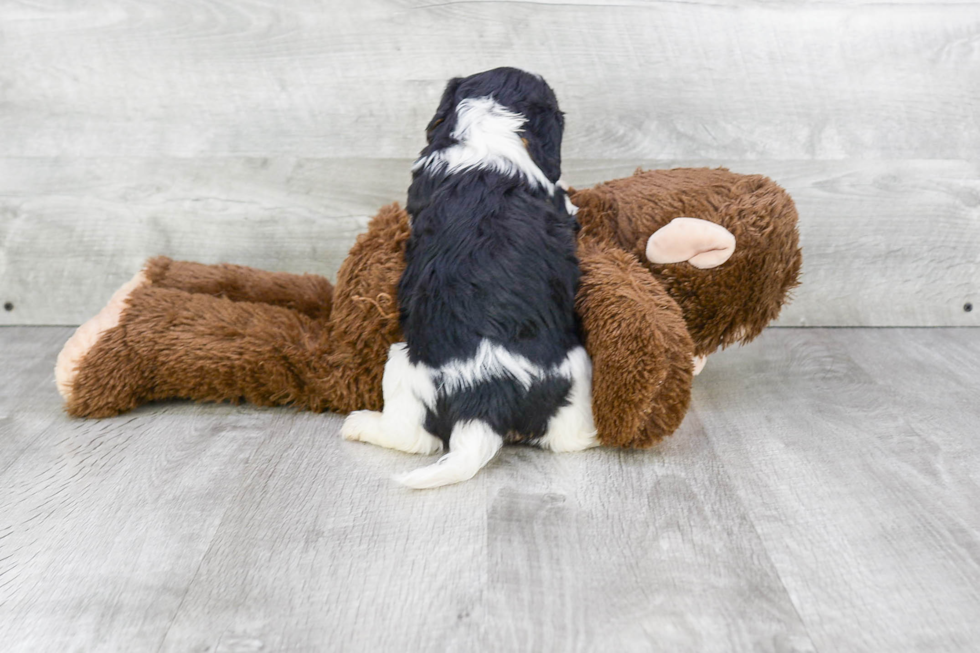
point(657, 79)
point(267, 132)
point(885, 242)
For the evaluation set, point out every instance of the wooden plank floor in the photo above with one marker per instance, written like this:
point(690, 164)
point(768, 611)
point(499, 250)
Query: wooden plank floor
point(822, 495)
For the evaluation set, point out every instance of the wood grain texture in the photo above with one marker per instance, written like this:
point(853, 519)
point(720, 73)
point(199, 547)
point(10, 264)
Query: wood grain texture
point(265, 133)
point(323, 551)
point(821, 496)
point(27, 408)
point(103, 524)
point(630, 551)
point(660, 79)
point(885, 243)
point(855, 454)
point(70, 231)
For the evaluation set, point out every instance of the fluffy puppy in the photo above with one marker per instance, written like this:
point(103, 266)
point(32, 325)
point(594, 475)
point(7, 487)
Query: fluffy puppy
point(492, 350)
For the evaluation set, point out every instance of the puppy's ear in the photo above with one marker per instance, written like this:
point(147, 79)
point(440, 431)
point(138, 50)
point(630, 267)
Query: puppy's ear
point(446, 105)
point(546, 124)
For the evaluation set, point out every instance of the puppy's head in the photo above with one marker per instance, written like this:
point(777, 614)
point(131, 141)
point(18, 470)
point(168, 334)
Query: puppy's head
point(511, 98)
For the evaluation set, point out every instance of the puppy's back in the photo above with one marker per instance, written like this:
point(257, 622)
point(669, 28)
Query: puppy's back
point(489, 259)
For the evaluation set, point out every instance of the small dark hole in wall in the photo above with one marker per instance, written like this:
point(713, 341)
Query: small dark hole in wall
point(968, 307)
point(8, 306)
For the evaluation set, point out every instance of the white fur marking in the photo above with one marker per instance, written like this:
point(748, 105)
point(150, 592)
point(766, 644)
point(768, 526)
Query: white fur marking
point(407, 391)
point(400, 377)
point(471, 446)
point(410, 389)
point(571, 208)
point(572, 428)
point(489, 138)
point(491, 361)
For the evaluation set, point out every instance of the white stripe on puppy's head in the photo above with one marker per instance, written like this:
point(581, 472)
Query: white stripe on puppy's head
point(503, 119)
point(488, 137)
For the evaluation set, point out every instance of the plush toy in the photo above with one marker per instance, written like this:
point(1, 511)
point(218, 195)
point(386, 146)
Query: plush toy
point(675, 264)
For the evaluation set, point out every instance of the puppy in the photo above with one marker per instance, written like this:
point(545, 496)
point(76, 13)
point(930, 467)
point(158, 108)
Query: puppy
point(492, 350)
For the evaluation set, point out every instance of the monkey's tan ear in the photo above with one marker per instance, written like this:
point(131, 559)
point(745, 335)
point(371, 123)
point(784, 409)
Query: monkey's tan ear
point(701, 243)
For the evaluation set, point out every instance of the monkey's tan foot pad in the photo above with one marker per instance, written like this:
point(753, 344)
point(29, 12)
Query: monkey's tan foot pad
point(72, 355)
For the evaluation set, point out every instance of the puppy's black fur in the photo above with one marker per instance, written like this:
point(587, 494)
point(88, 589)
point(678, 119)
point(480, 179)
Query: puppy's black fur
point(492, 257)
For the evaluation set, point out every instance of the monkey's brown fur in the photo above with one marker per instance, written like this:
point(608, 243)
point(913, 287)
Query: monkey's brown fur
point(734, 301)
point(230, 333)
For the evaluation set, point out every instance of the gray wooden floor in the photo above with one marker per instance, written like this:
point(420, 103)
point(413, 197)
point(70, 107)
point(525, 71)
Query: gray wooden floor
point(822, 495)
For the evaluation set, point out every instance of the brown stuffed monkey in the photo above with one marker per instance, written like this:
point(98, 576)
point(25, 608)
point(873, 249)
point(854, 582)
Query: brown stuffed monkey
point(675, 264)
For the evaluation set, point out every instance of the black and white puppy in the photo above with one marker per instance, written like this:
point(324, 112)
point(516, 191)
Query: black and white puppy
point(492, 350)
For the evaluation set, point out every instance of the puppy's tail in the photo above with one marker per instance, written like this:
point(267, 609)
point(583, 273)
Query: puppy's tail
point(471, 446)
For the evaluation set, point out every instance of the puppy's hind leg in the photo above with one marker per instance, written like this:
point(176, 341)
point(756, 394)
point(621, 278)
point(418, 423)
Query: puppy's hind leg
point(572, 428)
point(471, 446)
point(405, 388)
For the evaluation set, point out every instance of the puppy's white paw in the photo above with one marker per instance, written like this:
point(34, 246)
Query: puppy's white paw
point(369, 426)
point(362, 426)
